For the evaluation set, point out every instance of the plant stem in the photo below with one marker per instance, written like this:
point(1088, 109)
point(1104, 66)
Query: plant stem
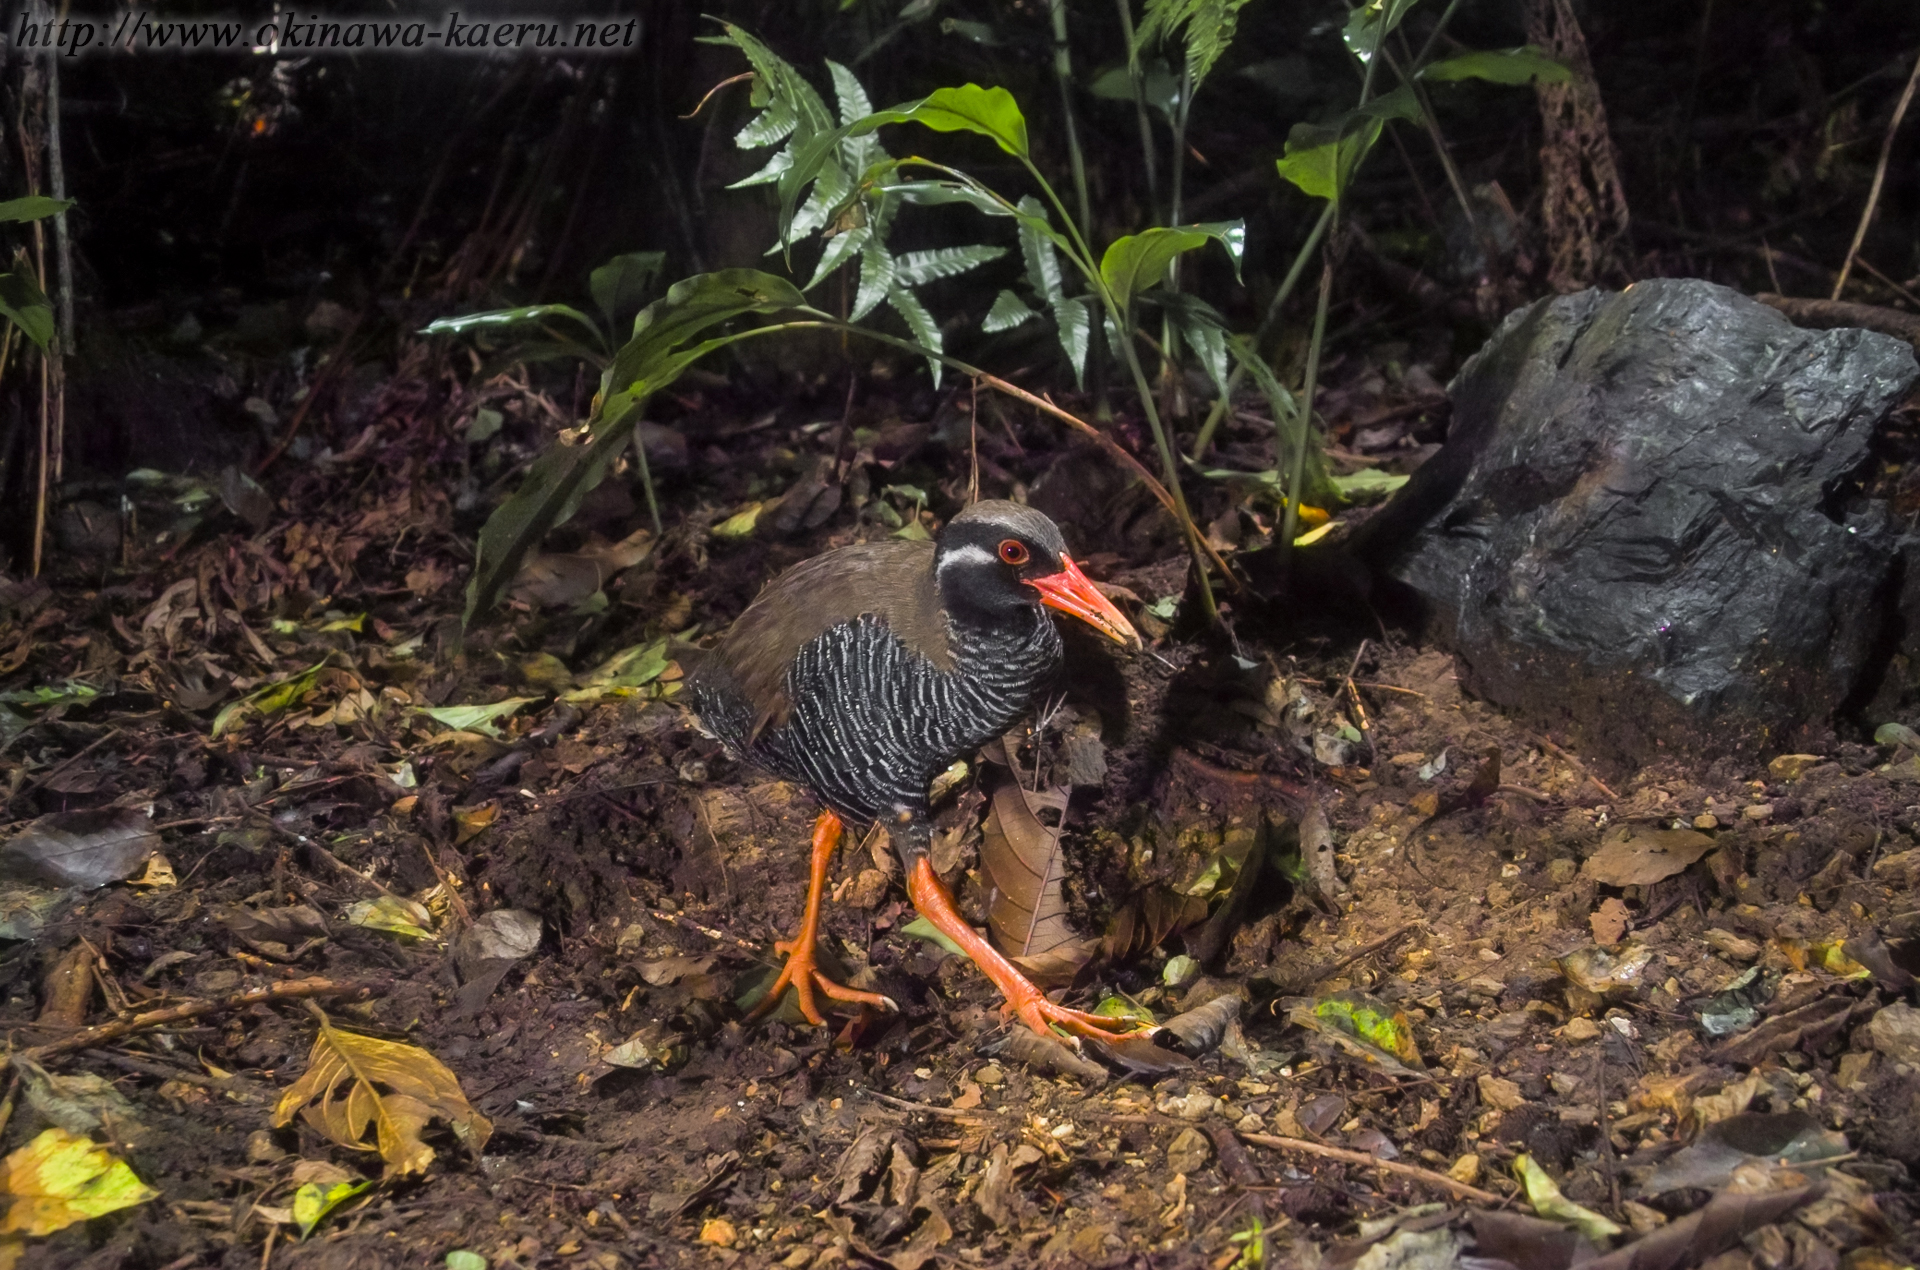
point(1290, 523)
point(1267, 323)
point(1140, 105)
point(1879, 179)
point(1194, 537)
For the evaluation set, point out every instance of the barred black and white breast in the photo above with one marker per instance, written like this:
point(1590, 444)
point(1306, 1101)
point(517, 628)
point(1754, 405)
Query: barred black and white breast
point(865, 672)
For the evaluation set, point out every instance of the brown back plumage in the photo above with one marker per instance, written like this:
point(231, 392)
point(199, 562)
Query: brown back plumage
point(890, 580)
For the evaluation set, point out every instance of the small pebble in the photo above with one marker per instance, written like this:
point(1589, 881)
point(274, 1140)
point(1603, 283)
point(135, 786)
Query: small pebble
point(1758, 811)
point(1466, 1170)
point(1706, 820)
point(990, 1075)
point(1581, 1029)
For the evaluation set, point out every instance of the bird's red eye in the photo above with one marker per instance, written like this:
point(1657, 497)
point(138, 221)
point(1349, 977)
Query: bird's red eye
point(1013, 551)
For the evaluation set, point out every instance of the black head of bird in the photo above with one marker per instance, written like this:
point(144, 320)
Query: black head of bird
point(865, 671)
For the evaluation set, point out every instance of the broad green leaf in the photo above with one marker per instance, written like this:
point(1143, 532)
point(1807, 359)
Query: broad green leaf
point(1524, 65)
point(921, 928)
point(476, 718)
point(934, 193)
point(917, 268)
point(653, 358)
point(1398, 104)
point(394, 914)
point(1138, 261)
point(313, 1201)
point(25, 304)
point(1008, 311)
point(622, 283)
point(464, 1259)
point(839, 249)
point(500, 319)
point(925, 330)
point(1159, 87)
point(32, 207)
point(991, 112)
point(1545, 1196)
point(71, 693)
point(60, 1179)
point(1203, 329)
point(1322, 161)
point(1371, 23)
point(876, 279)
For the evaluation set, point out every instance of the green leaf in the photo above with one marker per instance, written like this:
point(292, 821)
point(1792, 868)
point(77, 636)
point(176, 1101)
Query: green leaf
point(1138, 261)
point(991, 112)
point(829, 191)
point(934, 193)
point(25, 304)
point(847, 90)
point(1367, 483)
point(1203, 329)
point(60, 1179)
point(921, 928)
point(1209, 28)
point(1322, 161)
point(1159, 87)
point(32, 207)
point(501, 319)
point(622, 283)
point(1524, 65)
point(1371, 23)
point(839, 249)
point(653, 358)
point(876, 279)
point(270, 699)
point(1008, 311)
point(1545, 1196)
point(463, 1259)
point(312, 1202)
point(618, 676)
point(921, 323)
point(917, 268)
point(1073, 321)
point(775, 123)
point(1037, 249)
point(476, 718)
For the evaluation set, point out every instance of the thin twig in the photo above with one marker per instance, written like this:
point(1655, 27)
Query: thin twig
point(292, 990)
point(1879, 180)
point(1413, 1172)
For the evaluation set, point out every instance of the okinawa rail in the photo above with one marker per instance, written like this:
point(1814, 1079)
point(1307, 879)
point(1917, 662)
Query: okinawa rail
point(864, 672)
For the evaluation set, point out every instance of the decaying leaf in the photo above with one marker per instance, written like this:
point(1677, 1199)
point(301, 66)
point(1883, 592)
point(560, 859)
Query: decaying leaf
point(1633, 856)
point(1544, 1194)
point(1149, 919)
point(271, 699)
point(479, 719)
point(81, 848)
point(1788, 1138)
point(393, 914)
point(1691, 1240)
point(313, 1201)
point(1378, 1024)
point(1028, 911)
point(80, 1103)
point(356, 1082)
point(469, 821)
point(623, 674)
point(284, 934)
point(59, 1179)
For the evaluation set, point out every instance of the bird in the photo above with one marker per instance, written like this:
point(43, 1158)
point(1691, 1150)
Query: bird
point(864, 672)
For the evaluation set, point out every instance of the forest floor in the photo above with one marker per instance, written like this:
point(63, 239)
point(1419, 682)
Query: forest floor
point(1681, 992)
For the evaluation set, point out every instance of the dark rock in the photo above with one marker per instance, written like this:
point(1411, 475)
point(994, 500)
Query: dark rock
point(1639, 534)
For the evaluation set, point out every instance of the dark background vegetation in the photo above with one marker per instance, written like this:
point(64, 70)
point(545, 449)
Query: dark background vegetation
point(222, 197)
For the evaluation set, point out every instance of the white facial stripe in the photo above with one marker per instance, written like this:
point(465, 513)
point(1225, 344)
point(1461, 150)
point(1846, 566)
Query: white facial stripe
point(968, 554)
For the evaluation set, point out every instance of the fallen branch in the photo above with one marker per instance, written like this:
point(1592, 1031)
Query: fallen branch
point(1826, 315)
point(292, 990)
point(1410, 1171)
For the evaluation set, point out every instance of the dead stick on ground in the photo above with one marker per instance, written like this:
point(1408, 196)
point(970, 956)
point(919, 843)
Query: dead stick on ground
point(1425, 1176)
point(1879, 180)
point(296, 989)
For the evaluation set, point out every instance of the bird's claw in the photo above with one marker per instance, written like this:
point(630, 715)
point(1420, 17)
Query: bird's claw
point(1037, 1013)
point(803, 976)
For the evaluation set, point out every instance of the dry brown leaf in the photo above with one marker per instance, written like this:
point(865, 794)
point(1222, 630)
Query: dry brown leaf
point(1640, 857)
point(1610, 921)
point(1149, 919)
point(1022, 856)
point(470, 821)
point(356, 1082)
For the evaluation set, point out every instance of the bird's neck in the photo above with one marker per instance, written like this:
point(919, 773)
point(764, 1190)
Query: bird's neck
point(1020, 639)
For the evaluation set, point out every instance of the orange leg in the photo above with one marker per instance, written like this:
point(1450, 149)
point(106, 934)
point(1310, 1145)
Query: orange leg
point(800, 971)
point(931, 897)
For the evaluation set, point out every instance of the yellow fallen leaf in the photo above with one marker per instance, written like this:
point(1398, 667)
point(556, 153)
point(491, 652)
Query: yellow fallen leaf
point(469, 821)
point(159, 873)
point(1544, 1194)
point(59, 1179)
point(393, 914)
point(354, 1083)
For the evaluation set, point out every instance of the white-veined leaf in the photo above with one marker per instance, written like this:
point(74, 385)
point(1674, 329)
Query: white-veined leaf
point(1075, 325)
point(876, 279)
point(847, 90)
point(920, 322)
point(828, 193)
point(1043, 265)
point(774, 169)
point(775, 123)
point(1203, 329)
point(840, 249)
point(933, 193)
point(917, 268)
point(1008, 311)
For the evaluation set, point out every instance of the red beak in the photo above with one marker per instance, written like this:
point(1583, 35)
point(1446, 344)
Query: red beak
point(1071, 591)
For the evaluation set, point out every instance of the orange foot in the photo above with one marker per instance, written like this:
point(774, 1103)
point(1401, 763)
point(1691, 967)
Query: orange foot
point(935, 903)
point(801, 973)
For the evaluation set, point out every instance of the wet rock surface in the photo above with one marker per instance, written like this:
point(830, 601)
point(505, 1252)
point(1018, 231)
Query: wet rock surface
point(1641, 532)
